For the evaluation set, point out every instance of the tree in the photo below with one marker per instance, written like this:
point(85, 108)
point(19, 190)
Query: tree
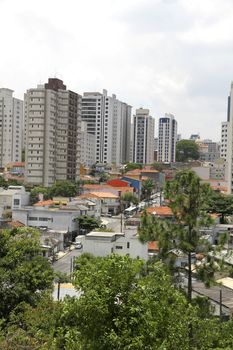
point(123, 308)
point(32, 327)
point(132, 166)
point(186, 150)
point(220, 204)
point(186, 196)
point(128, 198)
point(103, 177)
point(34, 194)
point(3, 182)
point(64, 188)
point(87, 223)
point(24, 274)
point(147, 188)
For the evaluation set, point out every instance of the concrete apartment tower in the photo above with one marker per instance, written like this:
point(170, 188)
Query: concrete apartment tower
point(11, 127)
point(224, 139)
point(108, 119)
point(229, 153)
point(52, 128)
point(143, 137)
point(167, 139)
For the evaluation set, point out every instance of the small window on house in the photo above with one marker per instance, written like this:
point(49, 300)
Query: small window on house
point(16, 201)
point(119, 247)
point(128, 245)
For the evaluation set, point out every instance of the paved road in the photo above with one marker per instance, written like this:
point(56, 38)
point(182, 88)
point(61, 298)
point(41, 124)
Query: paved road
point(64, 264)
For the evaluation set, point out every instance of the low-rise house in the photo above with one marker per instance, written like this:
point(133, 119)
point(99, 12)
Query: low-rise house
point(163, 212)
point(61, 219)
point(106, 202)
point(13, 198)
point(105, 243)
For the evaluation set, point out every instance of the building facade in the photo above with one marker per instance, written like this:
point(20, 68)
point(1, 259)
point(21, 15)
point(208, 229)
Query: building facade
point(229, 157)
point(52, 129)
point(108, 119)
point(167, 139)
point(224, 139)
point(143, 137)
point(87, 146)
point(209, 151)
point(11, 128)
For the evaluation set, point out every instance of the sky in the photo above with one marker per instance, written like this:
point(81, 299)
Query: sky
point(171, 56)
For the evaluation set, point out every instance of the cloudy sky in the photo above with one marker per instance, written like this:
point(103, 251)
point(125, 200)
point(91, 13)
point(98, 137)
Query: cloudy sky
point(166, 55)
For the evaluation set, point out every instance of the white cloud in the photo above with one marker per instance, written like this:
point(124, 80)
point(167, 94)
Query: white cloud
point(168, 55)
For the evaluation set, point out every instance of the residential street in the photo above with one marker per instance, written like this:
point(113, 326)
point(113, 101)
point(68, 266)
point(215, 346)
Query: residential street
point(64, 264)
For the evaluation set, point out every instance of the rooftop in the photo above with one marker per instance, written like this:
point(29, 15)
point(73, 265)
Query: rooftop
point(160, 211)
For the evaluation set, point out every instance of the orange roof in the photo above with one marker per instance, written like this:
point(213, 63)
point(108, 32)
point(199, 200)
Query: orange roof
point(149, 171)
point(160, 211)
point(153, 245)
point(95, 186)
point(134, 172)
point(44, 203)
point(105, 195)
point(87, 195)
point(16, 224)
point(123, 189)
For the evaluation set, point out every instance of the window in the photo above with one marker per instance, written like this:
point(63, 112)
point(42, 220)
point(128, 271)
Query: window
point(128, 245)
point(119, 247)
point(43, 219)
point(33, 218)
point(16, 201)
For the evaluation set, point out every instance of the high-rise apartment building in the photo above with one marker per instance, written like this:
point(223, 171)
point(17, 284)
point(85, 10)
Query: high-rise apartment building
point(167, 139)
point(109, 120)
point(224, 139)
point(87, 146)
point(52, 128)
point(11, 127)
point(229, 157)
point(143, 137)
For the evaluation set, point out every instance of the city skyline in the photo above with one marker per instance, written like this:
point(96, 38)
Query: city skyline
point(168, 56)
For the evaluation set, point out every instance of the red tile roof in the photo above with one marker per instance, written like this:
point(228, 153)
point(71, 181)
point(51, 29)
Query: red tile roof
point(44, 203)
point(153, 245)
point(160, 211)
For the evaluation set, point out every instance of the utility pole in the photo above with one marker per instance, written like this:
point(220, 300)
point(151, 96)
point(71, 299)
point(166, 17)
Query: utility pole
point(220, 305)
point(58, 290)
point(121, 211)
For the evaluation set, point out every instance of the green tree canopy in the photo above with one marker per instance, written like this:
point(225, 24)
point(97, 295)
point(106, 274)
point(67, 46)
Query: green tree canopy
point(88, 223)
point(122, 308)
point(220, 204)
point(128, 198)
point(24, 273)
point(103, 177)
point(186, 150)
point(147, 188)
point(35, 191)
point(64, 188)
point(132, 166)
point(186, 196)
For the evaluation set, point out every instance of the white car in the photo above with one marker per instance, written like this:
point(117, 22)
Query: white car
point(78, 245)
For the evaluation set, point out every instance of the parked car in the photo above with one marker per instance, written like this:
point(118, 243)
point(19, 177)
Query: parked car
point(78, 245)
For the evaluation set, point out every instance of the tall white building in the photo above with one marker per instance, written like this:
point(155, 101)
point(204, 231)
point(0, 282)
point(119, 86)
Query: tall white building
point(143, 137)
point(167, 139)
point(11, 127)
point(224, 139)
point(52, 128)
point(87, 146)
point(108, 119)
point(229, 154)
